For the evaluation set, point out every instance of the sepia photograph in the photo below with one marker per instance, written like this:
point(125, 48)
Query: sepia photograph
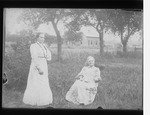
point(72, 58)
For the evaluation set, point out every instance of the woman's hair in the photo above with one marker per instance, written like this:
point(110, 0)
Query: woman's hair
point(38, 34)
point(89, 58)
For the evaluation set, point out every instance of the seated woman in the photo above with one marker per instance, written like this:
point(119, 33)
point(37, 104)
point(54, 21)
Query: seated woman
point(84, 89)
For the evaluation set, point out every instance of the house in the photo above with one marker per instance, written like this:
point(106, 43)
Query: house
point(90, 41)
point(86, 42)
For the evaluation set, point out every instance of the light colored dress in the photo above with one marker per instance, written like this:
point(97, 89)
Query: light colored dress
point(84, 89)
point(38, 90)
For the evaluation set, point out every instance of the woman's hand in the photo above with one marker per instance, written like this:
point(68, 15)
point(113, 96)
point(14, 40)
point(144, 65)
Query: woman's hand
point(97, 79)
point(48, 59)
point(40, 71)
point(79, 77)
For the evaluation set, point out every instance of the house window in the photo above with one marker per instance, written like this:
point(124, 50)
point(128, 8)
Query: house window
point(96, 43)
point(91, 42)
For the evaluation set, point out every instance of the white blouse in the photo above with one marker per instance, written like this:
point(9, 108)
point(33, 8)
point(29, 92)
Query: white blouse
point(91, 74)
point(38, 52)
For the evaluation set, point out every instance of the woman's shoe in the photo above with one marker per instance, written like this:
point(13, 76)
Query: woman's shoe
point(99, 107)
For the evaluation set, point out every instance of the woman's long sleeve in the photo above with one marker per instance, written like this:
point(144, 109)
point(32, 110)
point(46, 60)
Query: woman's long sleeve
point(49, 56)
point(34, 56)
point(97, 75)
point(82, 71)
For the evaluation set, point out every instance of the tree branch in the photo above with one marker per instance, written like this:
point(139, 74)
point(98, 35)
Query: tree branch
point(132, 31)
point(57, 21)
point(121, 33)
point(98, 24)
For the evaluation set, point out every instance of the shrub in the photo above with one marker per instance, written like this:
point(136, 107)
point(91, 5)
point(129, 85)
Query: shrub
point(17, 64)
point(135, 55)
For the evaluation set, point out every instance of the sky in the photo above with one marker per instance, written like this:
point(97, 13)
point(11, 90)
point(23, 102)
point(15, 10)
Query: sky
point(13, 26)
point(11, 20)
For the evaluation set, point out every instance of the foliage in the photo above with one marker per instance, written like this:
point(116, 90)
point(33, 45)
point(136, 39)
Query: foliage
point(126, 21)
point(74, 18)
point(133, 55)
point(36, 16)
point(49, 39)
point(73, 36)
point(97, 18)
point(18, 62)
point(11, 38)
point(123, 18)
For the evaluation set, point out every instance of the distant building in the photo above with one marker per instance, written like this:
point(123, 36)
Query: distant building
point(87, 41)
point(90, 41)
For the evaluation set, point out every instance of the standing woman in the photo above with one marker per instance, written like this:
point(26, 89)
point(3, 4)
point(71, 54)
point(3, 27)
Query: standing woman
point(38, 90)
point(84, 90)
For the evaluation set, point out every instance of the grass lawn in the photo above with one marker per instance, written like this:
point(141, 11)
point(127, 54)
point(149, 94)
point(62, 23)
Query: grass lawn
point(121, 86)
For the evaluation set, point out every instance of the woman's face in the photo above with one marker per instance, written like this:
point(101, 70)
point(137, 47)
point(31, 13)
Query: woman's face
point(91, 62)
point(41, 38)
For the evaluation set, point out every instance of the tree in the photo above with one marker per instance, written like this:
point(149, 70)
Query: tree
point(100, 23)
point(11, 38)
point(73, 19)
point(93, 17)
point(50, 39)
point(17, 63)
point(73, 36)
point(34, 17)
point(126, 21)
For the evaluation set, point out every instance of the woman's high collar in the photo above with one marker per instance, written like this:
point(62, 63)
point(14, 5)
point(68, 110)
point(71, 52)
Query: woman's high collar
point(39, 43)
point(90, 67)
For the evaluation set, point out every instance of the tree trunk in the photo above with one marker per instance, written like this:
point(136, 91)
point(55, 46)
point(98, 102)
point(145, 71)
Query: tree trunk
point(100, 31)
point(59, 42)
point(101, 43)
point(124, 47)
point(123, 42)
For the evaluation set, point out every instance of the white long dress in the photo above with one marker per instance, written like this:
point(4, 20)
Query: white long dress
point(38, 90)
point(84, 89)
